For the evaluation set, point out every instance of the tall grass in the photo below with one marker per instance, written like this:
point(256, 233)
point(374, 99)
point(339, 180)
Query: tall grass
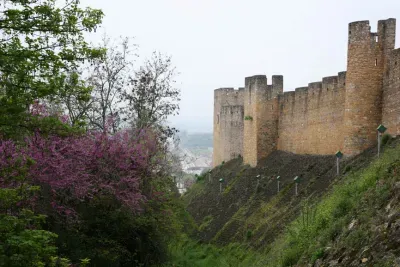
point(317, 226)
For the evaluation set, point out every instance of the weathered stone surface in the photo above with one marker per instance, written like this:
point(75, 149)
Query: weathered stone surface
point(228, 124)
point(340, 113)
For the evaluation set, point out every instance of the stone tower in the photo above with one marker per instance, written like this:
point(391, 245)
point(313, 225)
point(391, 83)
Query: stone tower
point(228, 124)
point(261, 117)
point(367, 60)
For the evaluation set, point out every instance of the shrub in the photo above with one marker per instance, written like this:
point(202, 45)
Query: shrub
point(318, 254)
point(249, 234)
point(248, 118)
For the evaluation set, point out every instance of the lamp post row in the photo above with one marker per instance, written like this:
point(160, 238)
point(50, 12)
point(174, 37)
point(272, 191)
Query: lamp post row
point(339, 155)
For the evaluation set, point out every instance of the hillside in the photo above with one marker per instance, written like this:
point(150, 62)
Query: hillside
point(350, 220)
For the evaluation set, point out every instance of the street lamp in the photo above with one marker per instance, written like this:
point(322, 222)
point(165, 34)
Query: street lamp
point(278, 178)
point(338, 155)
point(220, 185)
point(381, 129)
point(297, 181)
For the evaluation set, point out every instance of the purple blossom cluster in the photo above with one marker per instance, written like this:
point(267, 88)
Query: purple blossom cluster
point(81, 167)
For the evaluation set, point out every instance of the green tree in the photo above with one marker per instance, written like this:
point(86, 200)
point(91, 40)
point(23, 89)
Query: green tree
point(40, 42)
point(22, 241)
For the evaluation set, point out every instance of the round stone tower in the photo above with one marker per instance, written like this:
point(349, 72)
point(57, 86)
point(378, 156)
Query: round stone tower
point(366, 64)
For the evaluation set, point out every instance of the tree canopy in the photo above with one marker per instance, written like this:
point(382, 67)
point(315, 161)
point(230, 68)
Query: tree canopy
point(40, 42)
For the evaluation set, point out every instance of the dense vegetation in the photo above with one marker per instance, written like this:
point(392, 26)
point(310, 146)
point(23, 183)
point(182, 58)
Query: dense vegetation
point(85, 168)
point(348, 225)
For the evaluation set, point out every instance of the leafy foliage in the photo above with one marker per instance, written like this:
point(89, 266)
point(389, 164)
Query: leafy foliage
point(41, 40)
point(22, 241)
point(113, 186)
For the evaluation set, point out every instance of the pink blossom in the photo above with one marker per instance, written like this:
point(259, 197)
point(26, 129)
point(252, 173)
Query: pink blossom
point(83, 166)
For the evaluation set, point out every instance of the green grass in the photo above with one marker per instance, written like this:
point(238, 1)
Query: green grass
point(321, 224)
point(189, 253)
point(332, 215)
point(206, 222)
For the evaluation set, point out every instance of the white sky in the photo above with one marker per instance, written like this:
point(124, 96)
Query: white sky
point(217, 43)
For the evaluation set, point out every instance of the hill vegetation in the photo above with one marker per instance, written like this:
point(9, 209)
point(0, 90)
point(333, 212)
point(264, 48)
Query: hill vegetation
point(350, 220)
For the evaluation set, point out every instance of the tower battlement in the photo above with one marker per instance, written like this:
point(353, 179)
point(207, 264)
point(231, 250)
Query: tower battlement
point(338, 112)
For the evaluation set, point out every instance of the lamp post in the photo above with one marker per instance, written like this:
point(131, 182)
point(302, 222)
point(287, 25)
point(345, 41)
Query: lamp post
point(338, 155)
point(278, 178)
point(296, 180)
point(258, 181)
point(381, 129)
point(220, 185)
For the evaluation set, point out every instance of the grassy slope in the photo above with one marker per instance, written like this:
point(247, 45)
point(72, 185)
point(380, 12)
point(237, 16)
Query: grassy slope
point(357, 220)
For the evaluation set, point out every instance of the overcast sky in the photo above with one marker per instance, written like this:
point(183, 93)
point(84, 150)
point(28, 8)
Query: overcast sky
point(217, 43)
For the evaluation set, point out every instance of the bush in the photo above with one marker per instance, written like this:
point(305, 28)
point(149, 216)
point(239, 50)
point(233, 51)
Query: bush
point(317, 255)
point(249, 234)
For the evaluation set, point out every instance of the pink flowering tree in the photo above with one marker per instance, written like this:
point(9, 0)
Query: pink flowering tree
point(91, 168)
point(79, 167)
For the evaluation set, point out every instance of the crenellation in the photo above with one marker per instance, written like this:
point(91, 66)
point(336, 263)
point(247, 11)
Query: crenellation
point(342, 79)
point(315, 86)
point(277, 85)
point(387, 38)
point(338, 113)
point(301, 91)
point(359, 32)
point(314, 89)
point(330, 82)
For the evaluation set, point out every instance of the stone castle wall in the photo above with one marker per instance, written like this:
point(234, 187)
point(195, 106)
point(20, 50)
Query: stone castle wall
point(311, 118)
point(228, 124)
point(261, 111)
point(339, 113)
point(391, 95)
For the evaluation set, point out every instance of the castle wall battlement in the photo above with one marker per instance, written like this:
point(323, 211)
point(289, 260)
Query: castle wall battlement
point(337, 113)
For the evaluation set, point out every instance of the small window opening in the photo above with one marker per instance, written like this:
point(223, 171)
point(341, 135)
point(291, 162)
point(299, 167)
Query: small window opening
point(395, 63)
point(376, 38)
point(349, 32)
point(327, 89)
point(376, 62)
point(218, 119)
